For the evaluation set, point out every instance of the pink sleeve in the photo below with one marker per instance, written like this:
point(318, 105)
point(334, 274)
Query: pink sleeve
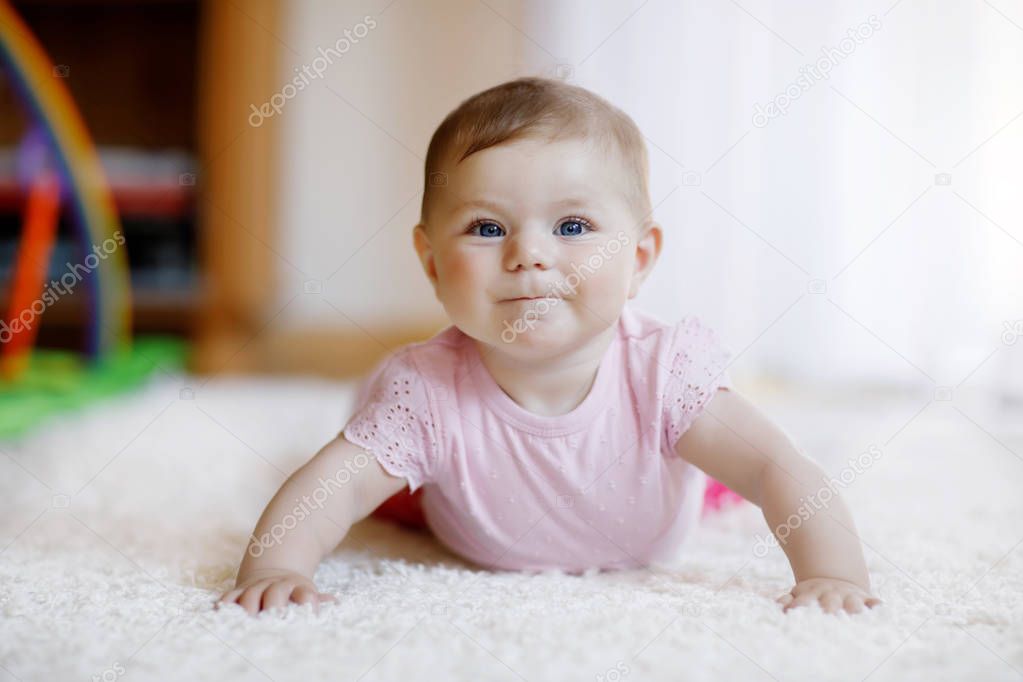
point(697, 359)
point(393, 419)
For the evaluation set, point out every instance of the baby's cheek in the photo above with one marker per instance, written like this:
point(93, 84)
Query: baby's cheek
point(462, 270)
point(451, 274)
point(460, 283)
point(609, 284)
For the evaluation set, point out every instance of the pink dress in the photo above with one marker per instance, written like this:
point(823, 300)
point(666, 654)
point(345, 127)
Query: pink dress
point(599, 487)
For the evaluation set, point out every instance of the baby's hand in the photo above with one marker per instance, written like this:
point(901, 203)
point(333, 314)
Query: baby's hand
point(273, 587)
point(832, 593)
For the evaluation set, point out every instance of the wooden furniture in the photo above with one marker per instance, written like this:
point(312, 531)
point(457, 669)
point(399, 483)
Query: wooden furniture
point(153, 75)
point(239, 200)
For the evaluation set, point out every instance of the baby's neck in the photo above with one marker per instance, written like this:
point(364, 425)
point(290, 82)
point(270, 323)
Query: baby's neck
point(548, 387)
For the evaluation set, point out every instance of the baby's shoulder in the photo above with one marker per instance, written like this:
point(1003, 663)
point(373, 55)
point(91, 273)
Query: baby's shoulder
point(415, 369)
point(658, 338)
point(436, 359)
point(688, 347)
point(433, 362)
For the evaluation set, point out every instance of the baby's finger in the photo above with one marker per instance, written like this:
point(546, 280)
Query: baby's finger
point(304, 594)
point(251, 597)
point(852, 603)
point(871, 602)
point(831, 602)
point(227, 598)
point(278, 594)
point(326, 596)
point(785, 598)
point(804, 599)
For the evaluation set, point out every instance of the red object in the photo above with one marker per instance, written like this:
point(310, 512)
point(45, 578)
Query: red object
point(156, 199)
point(42, 210)
point(717, 496)
point(404, 507)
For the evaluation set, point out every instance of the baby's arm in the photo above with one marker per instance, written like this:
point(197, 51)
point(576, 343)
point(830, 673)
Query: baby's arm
point(739, 446)
point(280, 561)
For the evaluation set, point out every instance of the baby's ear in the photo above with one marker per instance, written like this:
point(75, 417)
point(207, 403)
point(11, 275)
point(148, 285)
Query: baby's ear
point(648, 249)
point(421, 242)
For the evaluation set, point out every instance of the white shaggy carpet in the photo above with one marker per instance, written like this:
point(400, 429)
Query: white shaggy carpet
point(121, 525)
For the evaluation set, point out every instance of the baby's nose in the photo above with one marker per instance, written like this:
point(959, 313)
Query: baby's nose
point(526, 252)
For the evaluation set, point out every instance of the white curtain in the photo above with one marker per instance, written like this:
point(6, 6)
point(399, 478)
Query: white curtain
point(871, 234)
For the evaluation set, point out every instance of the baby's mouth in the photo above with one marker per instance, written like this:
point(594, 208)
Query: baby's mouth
point(528, 298)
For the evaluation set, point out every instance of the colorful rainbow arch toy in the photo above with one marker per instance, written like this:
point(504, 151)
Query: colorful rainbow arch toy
point(83, 183)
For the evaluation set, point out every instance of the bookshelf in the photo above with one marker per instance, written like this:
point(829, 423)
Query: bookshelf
point(166, 88)
point(131, 68)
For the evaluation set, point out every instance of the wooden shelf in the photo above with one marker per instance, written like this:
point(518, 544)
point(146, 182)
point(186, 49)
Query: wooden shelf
point(155, 201)
point(133, 71)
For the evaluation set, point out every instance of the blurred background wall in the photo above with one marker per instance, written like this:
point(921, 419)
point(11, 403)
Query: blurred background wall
point(839, 182)
point(871, 233)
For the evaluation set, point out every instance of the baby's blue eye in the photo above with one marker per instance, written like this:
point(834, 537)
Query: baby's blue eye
point(576, 227)
point(488, 229)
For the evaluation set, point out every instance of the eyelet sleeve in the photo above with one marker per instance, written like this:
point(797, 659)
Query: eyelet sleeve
point(393, 420)
point(697, 361)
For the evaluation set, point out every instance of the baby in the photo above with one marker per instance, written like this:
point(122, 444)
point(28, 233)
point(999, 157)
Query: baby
point(552, 426)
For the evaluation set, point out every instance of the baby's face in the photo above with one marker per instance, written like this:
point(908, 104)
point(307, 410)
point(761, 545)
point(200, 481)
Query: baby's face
point(531, 219)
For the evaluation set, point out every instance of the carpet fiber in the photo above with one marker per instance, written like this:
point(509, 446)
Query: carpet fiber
point(121, 525)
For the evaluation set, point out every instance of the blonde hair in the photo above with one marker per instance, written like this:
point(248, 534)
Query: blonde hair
point(537, 107)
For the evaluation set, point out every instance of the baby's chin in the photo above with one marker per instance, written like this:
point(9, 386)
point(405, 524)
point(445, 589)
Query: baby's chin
point(529, 331)
point(542, 340)
point(539, 345)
